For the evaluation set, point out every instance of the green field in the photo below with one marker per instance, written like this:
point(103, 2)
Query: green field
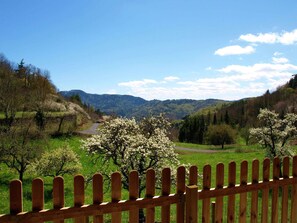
point(192, 158)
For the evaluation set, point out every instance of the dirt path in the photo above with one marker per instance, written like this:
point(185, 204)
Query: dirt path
point(199, 150)
point(90, 131)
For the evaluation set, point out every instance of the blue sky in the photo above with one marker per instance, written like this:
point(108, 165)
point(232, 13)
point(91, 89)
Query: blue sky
point(157, 49)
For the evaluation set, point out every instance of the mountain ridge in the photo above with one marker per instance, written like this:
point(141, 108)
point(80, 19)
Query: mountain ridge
point(131, 106)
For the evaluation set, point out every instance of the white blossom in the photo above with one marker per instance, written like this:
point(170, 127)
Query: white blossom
point(132, 145)
point(275, 133)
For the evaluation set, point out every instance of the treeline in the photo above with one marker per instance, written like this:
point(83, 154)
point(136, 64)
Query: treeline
point(240, 115)
point(195, 128)
point(23, 88)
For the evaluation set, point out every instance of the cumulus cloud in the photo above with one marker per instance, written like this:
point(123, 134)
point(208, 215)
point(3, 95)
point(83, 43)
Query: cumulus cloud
point(136, 84)
point(259, 70)
point(280, 60)
point(285, 38)
point(230, 83)
point(234, 50)
point(171, 78)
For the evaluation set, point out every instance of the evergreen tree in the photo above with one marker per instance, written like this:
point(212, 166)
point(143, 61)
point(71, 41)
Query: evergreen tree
point(226, 118)
point(214, 122)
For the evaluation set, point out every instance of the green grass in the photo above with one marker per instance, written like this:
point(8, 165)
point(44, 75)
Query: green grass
point(232, 147)
point(19, 115)
point(235, 153)
point(212, 159)
point(196, 146)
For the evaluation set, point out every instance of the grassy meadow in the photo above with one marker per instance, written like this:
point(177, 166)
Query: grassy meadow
point(231, 153)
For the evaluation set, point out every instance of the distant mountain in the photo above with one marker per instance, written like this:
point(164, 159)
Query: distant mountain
point(130, 106)
point(121, 105)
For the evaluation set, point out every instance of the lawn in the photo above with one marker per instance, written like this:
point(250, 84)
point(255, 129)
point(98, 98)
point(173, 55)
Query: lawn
point(89, 168)
point(232, 153)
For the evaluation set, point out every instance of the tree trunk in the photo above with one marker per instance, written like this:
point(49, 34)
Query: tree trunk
point(21, 175)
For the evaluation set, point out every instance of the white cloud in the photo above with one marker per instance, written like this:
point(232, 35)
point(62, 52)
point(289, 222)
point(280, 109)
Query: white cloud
point(234, 50)
point(261, 69)
point(277, 54)
point(286, 38)
point(280, 60)
point(259, 38)
point(136, 84)
point(231, 82)
point(171, 78)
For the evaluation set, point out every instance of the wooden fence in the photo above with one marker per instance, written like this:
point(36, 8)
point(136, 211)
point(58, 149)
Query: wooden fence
point(271, 199)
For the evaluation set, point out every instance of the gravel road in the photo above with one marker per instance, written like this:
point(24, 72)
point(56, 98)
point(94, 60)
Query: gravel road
point(198, 150)
point(90, 131)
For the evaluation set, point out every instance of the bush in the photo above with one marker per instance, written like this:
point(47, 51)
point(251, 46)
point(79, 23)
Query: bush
point(220, 135)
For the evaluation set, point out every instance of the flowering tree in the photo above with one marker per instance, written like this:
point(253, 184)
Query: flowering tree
point(131, 145)
point(57, 162)
point(274, 133)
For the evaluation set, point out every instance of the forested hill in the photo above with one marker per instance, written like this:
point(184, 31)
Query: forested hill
point(121, 105)
point(241, 114)
point(130, 106)
point(244, 112)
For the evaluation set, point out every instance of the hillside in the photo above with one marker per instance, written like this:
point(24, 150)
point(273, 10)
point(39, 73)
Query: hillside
point(130, 106)
point(27, 92)
point(244, 112)
point(241, 114)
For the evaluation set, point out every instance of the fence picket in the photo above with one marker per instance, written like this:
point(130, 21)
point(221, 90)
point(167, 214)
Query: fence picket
point(285, 193)
point(37, 195)
point(150, 192)
point(265, 192)
point(97, 195)
point(231, 198)
point(185, 195)
point(180, 190)
point(79, 195)
point(193, 175)
point(191, 204)
point(166, 183)
point(219, 199)
point(58, 195)
point(294, 192)
point(243, 196)
point(254, 198)
point(206, 186)
point(116, 182)
point(16, 197)
point(133, 195)
point(274, 204)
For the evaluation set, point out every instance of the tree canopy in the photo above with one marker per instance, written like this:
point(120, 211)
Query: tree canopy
point(220, 135)
point(56, 162)
point(274, 133)
point(131, 145)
